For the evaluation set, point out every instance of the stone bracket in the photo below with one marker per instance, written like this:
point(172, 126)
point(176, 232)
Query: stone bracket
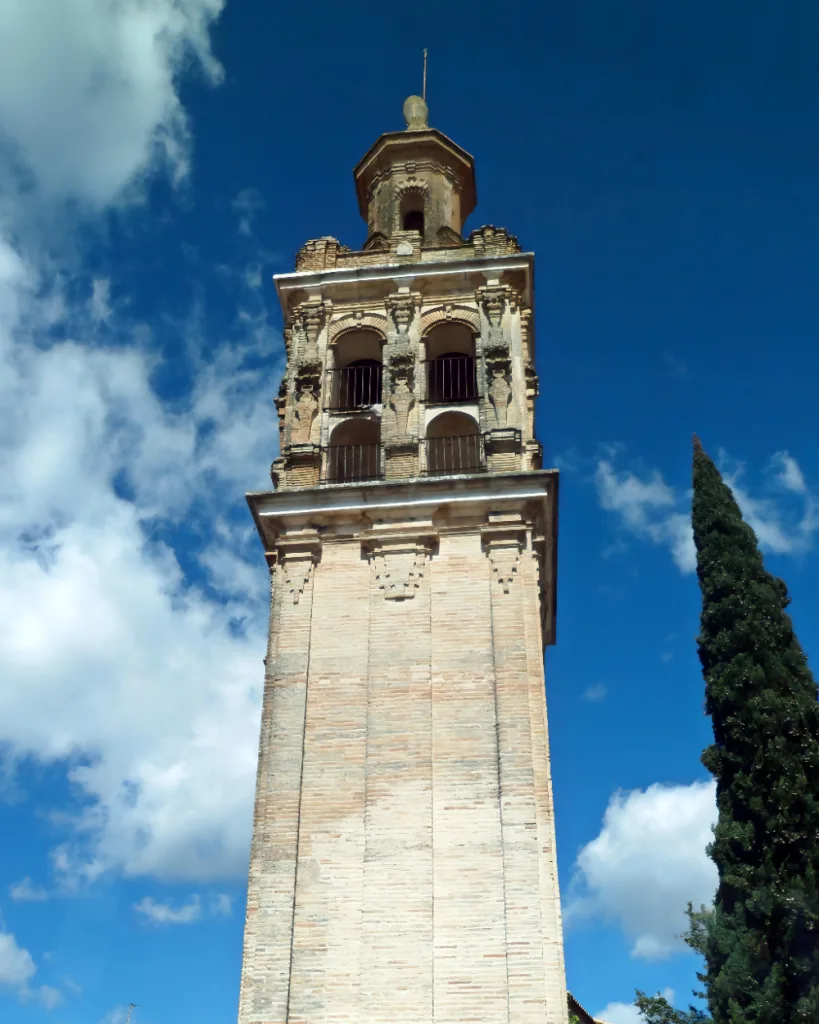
point(503, 543)
point(399, 560)
point(296, 556)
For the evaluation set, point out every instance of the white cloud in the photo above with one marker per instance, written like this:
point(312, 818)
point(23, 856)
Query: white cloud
point(146, 648)
point(788, 473)
point(595, 693)
point(648, 508)
point(88, 89)
point(17, 966)
point(25, 891)
point(164, 913)
point(646, 864)
point(627, 1013)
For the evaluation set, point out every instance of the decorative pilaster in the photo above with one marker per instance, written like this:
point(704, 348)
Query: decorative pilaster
point(499, 382)
point(402, 388)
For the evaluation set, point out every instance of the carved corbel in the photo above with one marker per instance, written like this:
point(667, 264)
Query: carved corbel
point(296, 558)
point(308, 319)
point(401, 307)
point(494, 300)
point(503, 545)
point(399, 562)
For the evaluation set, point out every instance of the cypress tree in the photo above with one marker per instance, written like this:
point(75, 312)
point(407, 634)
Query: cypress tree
point(761, 944)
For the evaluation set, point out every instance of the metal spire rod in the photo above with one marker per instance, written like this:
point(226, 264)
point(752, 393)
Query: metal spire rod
point(424, 91)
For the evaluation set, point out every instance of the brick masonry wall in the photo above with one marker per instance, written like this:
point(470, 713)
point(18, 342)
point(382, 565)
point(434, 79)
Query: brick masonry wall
point(415, 732)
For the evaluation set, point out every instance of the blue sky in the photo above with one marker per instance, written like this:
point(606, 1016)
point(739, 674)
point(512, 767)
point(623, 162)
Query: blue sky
point(159, 161)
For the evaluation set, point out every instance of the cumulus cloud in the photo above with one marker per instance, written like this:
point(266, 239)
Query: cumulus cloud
point(627, 1013)
point(595, 693)
point(17, 966)
point(132, 592)
point(88, 89)
point(646, 864)
point(648, 508)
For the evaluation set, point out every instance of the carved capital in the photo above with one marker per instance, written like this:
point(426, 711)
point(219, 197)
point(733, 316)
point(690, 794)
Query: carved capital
point(398, 562)
point(401, 307)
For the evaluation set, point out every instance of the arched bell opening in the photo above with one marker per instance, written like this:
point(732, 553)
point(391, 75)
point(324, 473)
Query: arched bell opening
point(412, 212)
point(357, 372)
point(354, 452)
point(453, 444)
point(451, 373)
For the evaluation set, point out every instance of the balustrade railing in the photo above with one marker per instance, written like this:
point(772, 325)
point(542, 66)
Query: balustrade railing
point(355, 387)
point(451, 379)
point(347, 463)
point(461, 453)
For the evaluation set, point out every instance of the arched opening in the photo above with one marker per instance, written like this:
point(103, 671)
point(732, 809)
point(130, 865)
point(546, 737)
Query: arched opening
point(453, 445)
point(412, 212)
point(414, 221)
point(354, 452)
point(451, 364)
point(357, 373)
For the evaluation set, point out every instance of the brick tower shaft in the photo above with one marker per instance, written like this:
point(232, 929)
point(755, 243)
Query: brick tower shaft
point(403, 862)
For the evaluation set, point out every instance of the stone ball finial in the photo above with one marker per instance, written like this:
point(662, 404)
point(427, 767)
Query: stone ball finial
point(416, 113)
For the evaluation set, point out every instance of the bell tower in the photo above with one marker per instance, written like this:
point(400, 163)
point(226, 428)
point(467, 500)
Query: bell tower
point(403, 866)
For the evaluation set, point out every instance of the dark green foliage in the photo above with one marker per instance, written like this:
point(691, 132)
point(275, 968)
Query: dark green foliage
point(657, 1010)
point(761, 945)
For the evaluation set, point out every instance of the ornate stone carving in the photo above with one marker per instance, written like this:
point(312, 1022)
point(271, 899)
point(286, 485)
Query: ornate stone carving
point(494, 299)
point(402, 386)
point(309, 318)
point(499, 381)
point(305, 411)
point(401, 307)
point(304, 414)
point(281, 405)
point(398, 564)
point(532, 380)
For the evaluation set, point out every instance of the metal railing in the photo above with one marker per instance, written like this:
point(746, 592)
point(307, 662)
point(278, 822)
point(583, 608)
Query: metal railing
point(355, 387)
point(461, 453)
point(451, 379)
point(347, 463)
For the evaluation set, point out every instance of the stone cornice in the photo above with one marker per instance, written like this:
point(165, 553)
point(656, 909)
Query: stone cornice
point(480, 502)
point(326, 281)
